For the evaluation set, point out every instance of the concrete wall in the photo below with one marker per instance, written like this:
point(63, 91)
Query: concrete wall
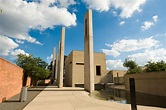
point(10, 79)
point(28, 82)
point(118, 76)
point(117, 73)
point(68, 69)
point(47, 81)
point(107, 78)
point(78, 69)
point(151, 83)
point(74, 67)
point(112, 77)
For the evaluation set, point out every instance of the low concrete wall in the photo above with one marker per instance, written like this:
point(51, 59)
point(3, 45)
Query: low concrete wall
point(10, 79)
point(119, 80)
point(28, 82)
point(150, 83)
point(107, 78)
point(47, 81)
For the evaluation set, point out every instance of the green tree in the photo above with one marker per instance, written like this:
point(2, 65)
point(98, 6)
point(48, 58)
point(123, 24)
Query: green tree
point(33, 67)
point(155, 66)
point(132, 67)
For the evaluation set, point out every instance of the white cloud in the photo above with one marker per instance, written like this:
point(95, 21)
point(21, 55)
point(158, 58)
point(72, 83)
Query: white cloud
point(19, 41)
point(115, 65)
point(122, 23)
point(37, 42)
point(49, 58)
point(155, 18)
point(59, 3)
point(74, 10)
point(22, 16)
point(149, 55)
point(127, 7)
point(99, 5)
point(146, 25)
point(160, 35)
point(14, 53)
point(6, 45)
point(134, 44)
point(9, 48)
point(18, 51)
point(114, 13)
point(130, 45)
point(66, 3)
point(111, 52)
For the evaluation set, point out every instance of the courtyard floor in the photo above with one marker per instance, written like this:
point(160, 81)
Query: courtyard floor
point(68, 98)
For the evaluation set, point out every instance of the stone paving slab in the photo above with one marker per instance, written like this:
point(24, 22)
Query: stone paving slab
point(75, 99)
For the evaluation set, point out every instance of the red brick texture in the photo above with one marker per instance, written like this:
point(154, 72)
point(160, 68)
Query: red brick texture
point(10, 79)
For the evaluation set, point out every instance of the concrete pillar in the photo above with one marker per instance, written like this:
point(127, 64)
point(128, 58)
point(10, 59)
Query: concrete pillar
point(56, 67)
point(62, 44)
point(53, 66)
point(88, 53)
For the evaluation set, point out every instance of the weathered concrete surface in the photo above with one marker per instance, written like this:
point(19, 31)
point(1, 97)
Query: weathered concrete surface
point(74, 68)
point(53, 65)
point(56, 67)
point(62, 46)
point(58, 64)
point(74, 99)
point(88, 53)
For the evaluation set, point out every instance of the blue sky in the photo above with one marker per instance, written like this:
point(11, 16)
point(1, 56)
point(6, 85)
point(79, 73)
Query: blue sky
point(134, 29)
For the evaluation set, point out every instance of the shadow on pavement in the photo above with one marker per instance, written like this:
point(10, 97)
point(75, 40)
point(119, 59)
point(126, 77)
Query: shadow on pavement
point(14, 104)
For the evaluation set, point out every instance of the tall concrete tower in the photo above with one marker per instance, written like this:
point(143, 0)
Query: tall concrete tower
point(58, 63)
point(53, 66)
point(62, 45)
point(88, 52)
point(56, 67)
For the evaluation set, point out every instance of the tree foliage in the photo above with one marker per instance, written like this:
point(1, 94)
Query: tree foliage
point(155, 66)
point(132, 67)
point(33, 67)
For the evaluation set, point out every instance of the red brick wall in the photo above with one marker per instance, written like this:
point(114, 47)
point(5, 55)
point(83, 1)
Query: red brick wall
point(10, 79)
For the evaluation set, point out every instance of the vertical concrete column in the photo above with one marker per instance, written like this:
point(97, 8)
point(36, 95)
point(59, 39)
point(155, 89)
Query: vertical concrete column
point(53, 66)
point(88, 53)
point(56, 67)
point(62, 44)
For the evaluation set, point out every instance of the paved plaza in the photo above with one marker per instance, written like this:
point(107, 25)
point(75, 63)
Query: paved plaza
point(68, 98)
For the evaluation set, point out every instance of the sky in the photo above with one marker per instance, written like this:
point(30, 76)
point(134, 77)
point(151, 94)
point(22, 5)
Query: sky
point(133, 29)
